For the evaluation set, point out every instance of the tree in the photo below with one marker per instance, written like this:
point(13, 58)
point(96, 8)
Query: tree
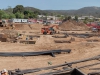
point(26, 12)
point(9, 9)
point(85, 21)
point(86, 18)
point(32, 15)
point(76, 18)
point(66, 18)
point(18, 8)
point(19, 15)
point(5, 16)
point(69, 18)
point(62, 17)
point(1, 13)
point(58, 15)
point(12, 16)
point(26, 16)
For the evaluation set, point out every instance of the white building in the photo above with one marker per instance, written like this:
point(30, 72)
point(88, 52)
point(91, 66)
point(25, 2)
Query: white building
point(83, 17)
point(19, 20)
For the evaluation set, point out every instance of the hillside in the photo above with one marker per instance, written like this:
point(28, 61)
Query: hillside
point(10, 10)
point(82, 11)
point(33, 9)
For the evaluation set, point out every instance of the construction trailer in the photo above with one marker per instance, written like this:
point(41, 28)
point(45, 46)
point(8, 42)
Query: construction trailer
point(19, 20)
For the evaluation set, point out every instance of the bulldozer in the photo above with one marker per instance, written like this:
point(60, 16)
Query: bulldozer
point(49, 30)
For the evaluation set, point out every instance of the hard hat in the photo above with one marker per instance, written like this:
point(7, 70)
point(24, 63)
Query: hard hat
point(4, 70)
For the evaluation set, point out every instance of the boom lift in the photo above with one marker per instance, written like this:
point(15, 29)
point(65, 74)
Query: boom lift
point(49, 29)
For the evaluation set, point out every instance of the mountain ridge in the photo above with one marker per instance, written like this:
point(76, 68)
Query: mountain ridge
point(93, 10)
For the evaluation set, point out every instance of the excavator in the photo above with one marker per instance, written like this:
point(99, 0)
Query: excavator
point(49, 29)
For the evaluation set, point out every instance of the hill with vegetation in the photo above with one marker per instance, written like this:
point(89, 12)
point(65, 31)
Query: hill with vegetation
point(82, 11)
point(20, 11)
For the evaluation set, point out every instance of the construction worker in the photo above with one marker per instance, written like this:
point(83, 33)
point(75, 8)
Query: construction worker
point(4, 72)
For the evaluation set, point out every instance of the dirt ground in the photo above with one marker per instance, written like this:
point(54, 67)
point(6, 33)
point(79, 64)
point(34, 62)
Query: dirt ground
point(80, 49)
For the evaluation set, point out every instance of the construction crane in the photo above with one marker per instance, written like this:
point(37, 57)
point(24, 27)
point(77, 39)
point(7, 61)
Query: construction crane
point(49, 29)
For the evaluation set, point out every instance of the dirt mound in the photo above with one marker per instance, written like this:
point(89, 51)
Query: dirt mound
point(73, 25)
point(45, 39)
point(20, 26)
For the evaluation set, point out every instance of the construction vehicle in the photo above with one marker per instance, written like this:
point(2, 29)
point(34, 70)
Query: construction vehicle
point(3, 23)
point(49, 29)
point(95, 27)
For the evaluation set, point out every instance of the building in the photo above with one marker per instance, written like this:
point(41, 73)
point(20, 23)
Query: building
point(19, 20)
point(83, 17)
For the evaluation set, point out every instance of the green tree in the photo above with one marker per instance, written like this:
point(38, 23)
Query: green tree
point(86, 18)
point(69, 18)
point(26, 12)
point(5, 16)
point(18, 8)
point(62, 17)
point(12, 16)
point(85, 21)
point(26, 16)
point(1, 13)
point(32, 15)
point(19, 15)
point(76, 18)
point(58, 15)
point(65, 19)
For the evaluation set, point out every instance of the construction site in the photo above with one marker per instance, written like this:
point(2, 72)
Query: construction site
point(71, 48)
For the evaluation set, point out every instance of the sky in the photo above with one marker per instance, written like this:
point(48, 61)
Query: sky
point(50, 4)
